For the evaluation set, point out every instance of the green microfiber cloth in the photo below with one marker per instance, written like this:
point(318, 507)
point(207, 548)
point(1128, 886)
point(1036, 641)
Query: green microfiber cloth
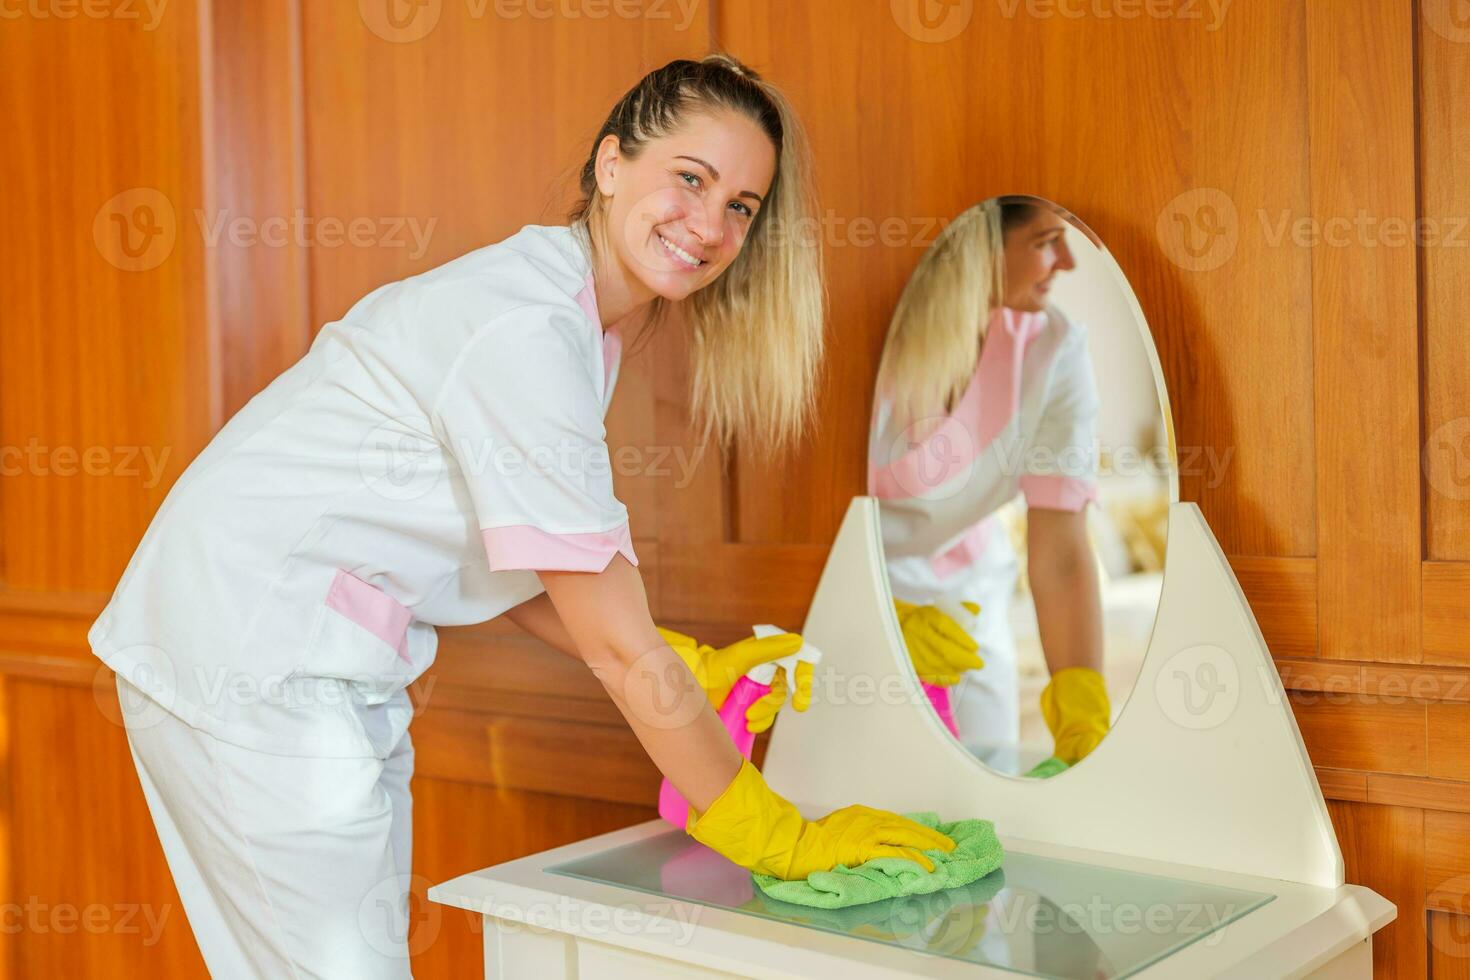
point(977, 852)
point(903, 918)
point(1046, 768)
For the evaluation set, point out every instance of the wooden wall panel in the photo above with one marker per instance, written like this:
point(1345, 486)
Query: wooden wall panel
point(1446, 599)
point(1384, 848)
point(1163, 122)
point(1444, 159)
point(1282, 593)
point(1360, 88)
point(1447, 868)
point(1364, 733)
point(95, 890)
point(1449, 946)
point(108, 376)
point(252, 225)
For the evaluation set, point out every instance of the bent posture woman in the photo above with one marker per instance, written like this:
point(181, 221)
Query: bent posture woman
point(438, 458)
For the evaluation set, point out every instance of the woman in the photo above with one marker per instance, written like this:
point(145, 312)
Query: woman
point(966, 419)
point(438, 458)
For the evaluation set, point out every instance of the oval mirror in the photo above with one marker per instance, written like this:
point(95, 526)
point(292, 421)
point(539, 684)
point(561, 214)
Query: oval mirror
point(1023, 460)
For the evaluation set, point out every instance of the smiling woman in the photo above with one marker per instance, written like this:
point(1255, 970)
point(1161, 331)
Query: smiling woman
point(433, 460)
point(693, 185)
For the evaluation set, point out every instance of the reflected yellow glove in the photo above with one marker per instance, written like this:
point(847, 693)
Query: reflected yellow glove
point(718, 670)
point(1075, 706)
point(968, 922)
point(939, 647)
point(762, 831)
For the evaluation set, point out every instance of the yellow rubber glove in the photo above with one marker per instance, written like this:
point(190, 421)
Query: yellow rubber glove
point(718, 670)
point(939, 647)
point(1075, 706)
point(762, 831)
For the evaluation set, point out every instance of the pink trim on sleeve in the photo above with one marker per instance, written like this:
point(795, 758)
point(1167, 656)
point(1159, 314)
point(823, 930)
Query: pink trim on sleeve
point(1058, 492)
point(372, 609)
point(521, 546)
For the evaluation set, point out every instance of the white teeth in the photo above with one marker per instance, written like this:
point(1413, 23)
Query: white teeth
point(679, 253)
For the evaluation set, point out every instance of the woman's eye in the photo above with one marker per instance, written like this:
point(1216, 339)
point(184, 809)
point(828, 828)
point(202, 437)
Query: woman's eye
point(693, 177)
point(743, 208)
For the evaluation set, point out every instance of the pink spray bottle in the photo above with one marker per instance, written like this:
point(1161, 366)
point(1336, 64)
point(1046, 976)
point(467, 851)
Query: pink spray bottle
point(749, 689)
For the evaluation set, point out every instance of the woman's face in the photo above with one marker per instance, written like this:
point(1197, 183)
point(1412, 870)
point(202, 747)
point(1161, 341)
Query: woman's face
point(679, 213)
point(1035, 251)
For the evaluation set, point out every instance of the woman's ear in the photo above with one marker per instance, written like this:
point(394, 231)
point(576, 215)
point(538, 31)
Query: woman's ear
point(608, 158)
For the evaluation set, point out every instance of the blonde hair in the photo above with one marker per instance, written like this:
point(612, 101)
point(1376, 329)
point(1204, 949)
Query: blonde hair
point(939, 325)
point(757, 330)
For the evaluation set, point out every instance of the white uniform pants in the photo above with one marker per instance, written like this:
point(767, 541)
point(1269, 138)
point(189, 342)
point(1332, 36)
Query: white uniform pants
point(287, 867)
point(986, 703)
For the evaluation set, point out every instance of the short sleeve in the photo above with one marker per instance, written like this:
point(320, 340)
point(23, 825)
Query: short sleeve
point(521, 414)
point(1061, 464)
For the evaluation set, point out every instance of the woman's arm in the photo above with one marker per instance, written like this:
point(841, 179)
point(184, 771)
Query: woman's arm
point(605, 617)
point(539, 618)
point(1063, 577)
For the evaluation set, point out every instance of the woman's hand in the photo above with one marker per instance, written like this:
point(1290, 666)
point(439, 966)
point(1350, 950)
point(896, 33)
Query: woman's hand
point(939, 647)
point(718, 670)
point(1075, 706)
point(762, 831)
point(1062, 570)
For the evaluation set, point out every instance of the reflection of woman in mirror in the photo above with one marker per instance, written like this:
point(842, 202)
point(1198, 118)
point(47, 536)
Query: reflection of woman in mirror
point(985, 390)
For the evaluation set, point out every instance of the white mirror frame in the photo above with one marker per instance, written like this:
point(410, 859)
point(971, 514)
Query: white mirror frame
point(1222, 783)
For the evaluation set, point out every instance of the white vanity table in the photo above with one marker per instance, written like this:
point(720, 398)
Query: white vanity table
point(1193, 842)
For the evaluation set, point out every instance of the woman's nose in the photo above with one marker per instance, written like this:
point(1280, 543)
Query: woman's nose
point(708, 227)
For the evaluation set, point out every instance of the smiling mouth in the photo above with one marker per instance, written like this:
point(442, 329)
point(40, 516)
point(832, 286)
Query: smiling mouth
point(679, 255)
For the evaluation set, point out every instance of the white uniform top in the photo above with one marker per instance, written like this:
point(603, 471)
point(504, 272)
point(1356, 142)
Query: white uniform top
point(1024, 423)
point(432, 449)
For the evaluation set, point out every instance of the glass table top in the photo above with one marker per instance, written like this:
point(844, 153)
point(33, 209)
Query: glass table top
point(1035, 916)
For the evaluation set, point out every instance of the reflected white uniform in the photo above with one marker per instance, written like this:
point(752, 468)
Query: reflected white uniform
point(1024, 424)
point(432, 450)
